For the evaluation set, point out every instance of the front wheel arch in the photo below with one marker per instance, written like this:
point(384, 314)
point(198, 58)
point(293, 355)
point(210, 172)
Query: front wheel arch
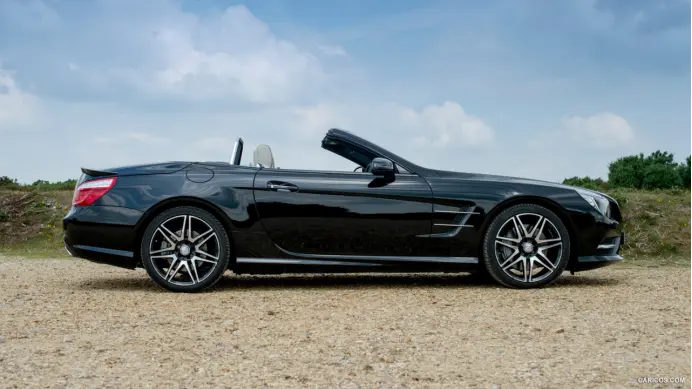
point(551, 205)
point(182, 201)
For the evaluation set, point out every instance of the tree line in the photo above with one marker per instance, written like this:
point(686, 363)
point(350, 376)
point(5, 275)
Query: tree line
point(13, 184)
point(658, 170)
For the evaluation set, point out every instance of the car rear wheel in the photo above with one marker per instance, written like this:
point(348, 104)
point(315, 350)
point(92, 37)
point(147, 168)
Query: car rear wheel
point(526, 246)
point(185, 249)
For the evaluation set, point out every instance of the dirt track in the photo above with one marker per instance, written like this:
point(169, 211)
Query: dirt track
point(71, 323)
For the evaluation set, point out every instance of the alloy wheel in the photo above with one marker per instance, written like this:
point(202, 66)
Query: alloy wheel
point(528, 247)
point(184, 250)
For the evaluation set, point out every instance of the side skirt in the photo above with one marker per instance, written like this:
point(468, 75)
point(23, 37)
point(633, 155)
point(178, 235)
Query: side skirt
point(380, 259)
point(353, 264)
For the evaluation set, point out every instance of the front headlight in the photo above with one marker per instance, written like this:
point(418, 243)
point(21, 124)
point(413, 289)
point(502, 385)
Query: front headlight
point(599, 202)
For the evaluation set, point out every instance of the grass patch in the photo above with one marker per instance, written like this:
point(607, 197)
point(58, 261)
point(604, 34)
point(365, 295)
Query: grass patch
point(31, 222)
point(656, 223)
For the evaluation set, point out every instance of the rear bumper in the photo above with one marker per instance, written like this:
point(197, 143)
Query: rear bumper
point(101, 255)
point(102, 234)
point(606, 254)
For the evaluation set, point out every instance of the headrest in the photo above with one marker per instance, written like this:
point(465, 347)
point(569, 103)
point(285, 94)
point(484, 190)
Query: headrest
point(263, 156)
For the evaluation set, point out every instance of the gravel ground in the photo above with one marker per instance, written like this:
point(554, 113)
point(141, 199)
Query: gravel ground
point(71, 323)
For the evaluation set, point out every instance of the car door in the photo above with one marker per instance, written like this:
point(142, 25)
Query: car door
point(344, 213)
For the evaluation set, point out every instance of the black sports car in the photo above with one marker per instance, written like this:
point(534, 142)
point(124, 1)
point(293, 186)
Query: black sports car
point(186, 223)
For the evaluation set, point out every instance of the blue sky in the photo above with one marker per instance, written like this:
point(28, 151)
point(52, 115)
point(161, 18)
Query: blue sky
point(535, 88)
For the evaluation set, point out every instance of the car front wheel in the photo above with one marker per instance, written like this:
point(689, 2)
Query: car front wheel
point(185, 249)
point(526, 246)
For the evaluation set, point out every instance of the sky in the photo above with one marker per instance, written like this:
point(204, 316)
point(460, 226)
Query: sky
point(532, 88)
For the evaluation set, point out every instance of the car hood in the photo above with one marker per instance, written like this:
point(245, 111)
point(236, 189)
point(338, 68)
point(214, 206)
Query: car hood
point(515, 180)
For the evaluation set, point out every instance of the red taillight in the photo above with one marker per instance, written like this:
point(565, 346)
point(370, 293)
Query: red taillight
point(90, 191)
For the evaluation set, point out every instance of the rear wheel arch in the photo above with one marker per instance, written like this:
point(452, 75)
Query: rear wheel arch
point(551, 205)
point(167, 204)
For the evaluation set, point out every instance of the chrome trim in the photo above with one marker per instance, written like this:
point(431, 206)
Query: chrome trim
point(464, 212)
point(469, 260)
point(102, 250)
point(459, 225)
point(285, 261)
point(605, 246)
point(452, 225)
point(600, 258)
point(68, 250)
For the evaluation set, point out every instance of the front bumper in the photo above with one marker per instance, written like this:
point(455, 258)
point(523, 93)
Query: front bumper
point(606, 254)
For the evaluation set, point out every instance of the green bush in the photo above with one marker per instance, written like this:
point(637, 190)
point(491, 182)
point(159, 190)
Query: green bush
point(661, 176)
point(59, 185)
point(8, 183)
point(684, 173)
point(627, 172)
point(12, 184)
point(587, 182)
point(656, 171)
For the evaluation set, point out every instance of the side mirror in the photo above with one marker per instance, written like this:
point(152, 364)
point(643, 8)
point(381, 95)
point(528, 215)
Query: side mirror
point(382, 167)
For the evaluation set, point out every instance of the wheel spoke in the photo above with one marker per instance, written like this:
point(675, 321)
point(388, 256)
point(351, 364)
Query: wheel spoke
point(206, 254)
point(200, 244)
point(189, 229)
point(170, 256)
point(549, 246)
point(545, 262)
point(543, 241)
point(182, 230)
point(507, 245)
point(528, 273)
point(517, 223)
point(162, 250)
point(169, 275)
point(196, 258)
point(170, 234)
point(506, 266)
point(203, 236)
point(165, 237)
point(538, 227)
point(193, 275)
point(513, 240)
point(194, 270)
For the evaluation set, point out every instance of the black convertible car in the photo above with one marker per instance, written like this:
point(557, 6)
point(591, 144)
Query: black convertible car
point(186, 223)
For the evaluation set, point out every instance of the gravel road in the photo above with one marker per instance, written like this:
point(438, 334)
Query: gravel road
point(71, 323)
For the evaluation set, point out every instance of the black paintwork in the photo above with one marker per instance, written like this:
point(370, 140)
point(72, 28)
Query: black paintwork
point(280, 220)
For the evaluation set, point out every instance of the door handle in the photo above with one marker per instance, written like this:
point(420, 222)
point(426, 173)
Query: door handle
point(281, 187)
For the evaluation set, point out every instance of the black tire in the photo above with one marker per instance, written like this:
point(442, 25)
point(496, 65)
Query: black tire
point(551, 247)
point(187, 266)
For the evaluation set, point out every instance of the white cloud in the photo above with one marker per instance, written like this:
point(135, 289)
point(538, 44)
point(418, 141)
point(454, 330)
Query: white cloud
point(214, 144)
point(130, 137)
point(333, 50)
point(313, 120)
point(446, 125)
point(28, 15)
point(16, 106)
point(229, 54)
point(161, 52)
point(441, 126)
point(604, 130)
